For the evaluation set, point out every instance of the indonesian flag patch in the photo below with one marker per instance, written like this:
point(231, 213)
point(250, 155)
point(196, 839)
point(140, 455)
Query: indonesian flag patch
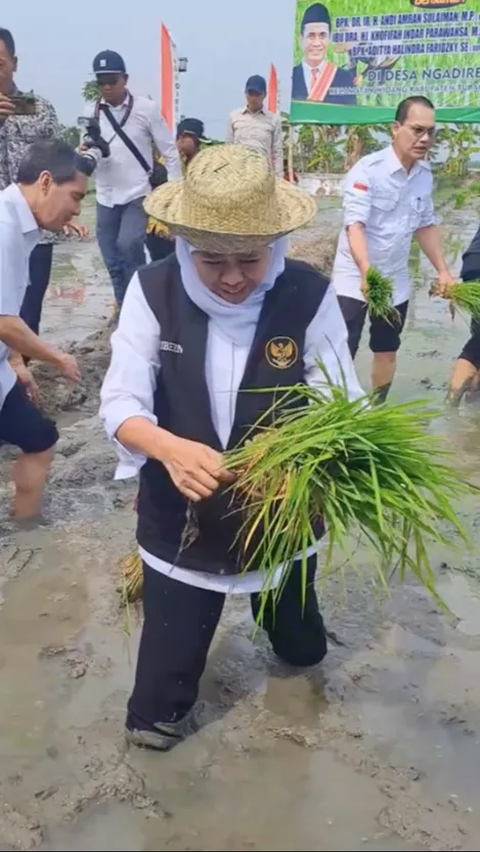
point(361, 187)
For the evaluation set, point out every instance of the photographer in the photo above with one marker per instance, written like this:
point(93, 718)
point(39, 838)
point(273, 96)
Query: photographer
point(122, 135)
point(21, 124)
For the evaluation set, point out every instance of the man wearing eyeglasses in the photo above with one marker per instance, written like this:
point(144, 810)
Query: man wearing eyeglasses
point(387, 199)
point(122, 179)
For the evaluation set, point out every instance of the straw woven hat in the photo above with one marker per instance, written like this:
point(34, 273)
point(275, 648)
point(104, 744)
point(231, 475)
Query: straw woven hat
point(230, 201)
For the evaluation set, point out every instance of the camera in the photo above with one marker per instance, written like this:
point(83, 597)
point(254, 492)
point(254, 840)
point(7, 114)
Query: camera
point(97, 147)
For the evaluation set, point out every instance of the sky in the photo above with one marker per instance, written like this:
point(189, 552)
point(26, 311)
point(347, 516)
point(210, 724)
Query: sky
point(225, 42)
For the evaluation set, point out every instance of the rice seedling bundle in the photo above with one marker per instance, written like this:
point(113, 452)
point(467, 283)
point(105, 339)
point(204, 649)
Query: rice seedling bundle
point(372, 469)
point(465, 297)
point(131, 578)
point(380, 296)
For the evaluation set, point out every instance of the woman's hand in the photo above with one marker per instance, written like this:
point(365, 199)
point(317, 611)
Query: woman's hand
point(195, 469)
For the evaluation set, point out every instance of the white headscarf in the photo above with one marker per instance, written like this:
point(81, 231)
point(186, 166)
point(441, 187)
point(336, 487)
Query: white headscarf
point(236, 322)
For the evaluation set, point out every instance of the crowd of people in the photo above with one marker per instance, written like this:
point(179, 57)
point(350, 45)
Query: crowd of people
point(218, 311)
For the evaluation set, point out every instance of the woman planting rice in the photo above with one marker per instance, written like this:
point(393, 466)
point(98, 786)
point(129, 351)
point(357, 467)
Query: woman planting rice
point(228, 341)
point(226, 315)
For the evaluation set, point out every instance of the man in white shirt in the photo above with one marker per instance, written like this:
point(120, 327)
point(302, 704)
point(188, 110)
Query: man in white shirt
point(121, 180)
point(387, 199)
point(50, 188)
point(257, 128)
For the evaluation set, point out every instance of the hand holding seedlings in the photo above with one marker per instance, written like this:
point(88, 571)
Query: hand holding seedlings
point(463, 296)
point(195, 469)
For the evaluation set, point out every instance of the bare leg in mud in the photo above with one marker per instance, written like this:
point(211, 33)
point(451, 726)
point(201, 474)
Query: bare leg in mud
point(23, 425)
point(383, 372)
point(29, 475)
point(465, 377)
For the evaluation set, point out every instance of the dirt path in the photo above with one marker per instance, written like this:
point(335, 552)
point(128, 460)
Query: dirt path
point(378, 749)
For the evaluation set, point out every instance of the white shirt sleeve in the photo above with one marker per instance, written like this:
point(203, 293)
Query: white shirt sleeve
point(428, 217)
point(326, 340)
point(131, 378)
point(165, 144)
point(357, 196)
point(12, 270)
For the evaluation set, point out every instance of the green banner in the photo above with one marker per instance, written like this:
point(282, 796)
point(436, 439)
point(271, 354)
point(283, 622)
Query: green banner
point(352, 68)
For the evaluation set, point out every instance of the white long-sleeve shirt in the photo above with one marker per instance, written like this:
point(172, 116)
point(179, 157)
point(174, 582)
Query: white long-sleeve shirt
point(131, 380)
point(392, 204)
point(120, 178)
point(19, 234)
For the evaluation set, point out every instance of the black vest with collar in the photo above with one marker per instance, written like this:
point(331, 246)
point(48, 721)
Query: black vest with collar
point(182, 405)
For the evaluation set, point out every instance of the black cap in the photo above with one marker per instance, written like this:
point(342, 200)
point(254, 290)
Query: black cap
point(109, 62)
point(257, 84)
point(192, 127)
point(316, 14)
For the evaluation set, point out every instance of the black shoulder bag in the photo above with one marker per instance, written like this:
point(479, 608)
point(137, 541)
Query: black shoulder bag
point(157, 174)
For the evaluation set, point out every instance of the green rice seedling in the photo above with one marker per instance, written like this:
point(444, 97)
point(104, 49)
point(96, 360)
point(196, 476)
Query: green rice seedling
point(465, 297)
point(380, 296)
point(375, 470)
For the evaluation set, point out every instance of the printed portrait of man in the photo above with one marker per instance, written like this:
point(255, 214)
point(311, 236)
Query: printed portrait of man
point(315, 76)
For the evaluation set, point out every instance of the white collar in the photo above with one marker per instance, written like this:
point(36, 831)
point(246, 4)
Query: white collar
point(395, 165)
point(311, 68)
point(120, 106)
point(27, 219)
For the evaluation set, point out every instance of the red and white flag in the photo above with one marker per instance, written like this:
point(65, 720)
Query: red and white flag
point(169, 82)
point(272, 104)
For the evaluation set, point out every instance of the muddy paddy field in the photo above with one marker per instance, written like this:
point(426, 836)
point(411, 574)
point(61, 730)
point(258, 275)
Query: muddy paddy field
point(378, 749)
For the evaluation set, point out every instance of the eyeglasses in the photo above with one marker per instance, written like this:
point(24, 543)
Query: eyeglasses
point(419, 132)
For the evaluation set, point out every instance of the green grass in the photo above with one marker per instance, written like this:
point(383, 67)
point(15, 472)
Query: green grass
point(430, 88)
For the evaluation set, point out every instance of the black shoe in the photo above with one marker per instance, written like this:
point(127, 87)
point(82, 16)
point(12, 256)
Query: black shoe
point(164, 735)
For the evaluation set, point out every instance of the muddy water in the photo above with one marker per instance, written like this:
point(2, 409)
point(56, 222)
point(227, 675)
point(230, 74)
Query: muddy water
point(79, 297)
point(377, 749)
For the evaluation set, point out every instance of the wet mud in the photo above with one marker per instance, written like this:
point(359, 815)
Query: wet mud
point(377, 749)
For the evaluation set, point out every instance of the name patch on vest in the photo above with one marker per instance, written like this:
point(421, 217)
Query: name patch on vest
point(281, 352)
point(167, 346)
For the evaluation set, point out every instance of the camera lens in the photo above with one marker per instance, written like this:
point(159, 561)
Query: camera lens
point(89, 160)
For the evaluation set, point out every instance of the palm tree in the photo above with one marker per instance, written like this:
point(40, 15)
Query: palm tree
point(359, 141)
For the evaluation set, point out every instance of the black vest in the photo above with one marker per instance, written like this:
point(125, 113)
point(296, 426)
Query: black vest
point(182, 405)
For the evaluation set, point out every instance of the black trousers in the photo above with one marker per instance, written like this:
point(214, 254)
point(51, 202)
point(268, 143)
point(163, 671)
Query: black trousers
point(471, 350)
point(40, 267)
point(180, 622)
point(385, 336)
